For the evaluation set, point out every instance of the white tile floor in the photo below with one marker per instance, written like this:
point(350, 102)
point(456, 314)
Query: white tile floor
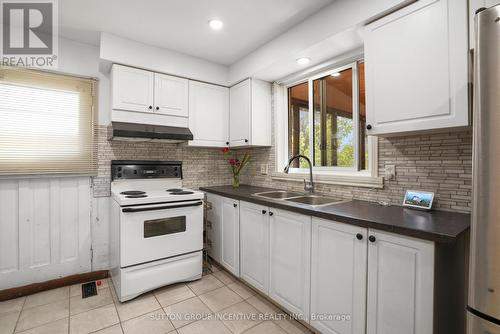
point(218, 297)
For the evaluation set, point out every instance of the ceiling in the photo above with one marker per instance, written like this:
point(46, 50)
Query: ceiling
point(182, 25)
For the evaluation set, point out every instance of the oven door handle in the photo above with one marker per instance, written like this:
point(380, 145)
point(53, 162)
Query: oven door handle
point(161, 207)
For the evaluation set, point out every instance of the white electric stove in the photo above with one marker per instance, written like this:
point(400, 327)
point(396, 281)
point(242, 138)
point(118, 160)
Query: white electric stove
point(156, 234)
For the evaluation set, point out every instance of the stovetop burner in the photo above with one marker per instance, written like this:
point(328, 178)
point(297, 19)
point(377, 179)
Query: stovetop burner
point(137, 196)
point(175, 190)
point(182, 192)
point(133, 192)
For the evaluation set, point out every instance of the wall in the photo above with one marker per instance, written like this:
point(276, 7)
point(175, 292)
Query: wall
point(441, 163)
point(114, 49)
point(83, 60)
point(326, 34)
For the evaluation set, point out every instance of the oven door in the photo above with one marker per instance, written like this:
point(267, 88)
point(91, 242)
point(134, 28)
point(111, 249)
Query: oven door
point(157, 231)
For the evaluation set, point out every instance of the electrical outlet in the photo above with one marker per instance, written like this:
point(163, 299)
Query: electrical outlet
point(263, 169)
point(390, 172)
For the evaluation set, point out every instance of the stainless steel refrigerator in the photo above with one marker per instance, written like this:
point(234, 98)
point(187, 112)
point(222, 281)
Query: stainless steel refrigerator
point(483, 314)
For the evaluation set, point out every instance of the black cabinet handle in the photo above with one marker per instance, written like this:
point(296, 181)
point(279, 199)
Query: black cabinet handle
point(227, 143)
point(235, 205)
point(359, 236)
point(271, 213)
point(264, 212)
point(372, 238)
point(157, 108)
point(369, 126)
point(246, 140)
point(150, 107)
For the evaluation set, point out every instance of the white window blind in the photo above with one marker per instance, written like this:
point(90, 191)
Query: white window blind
point(46, 123)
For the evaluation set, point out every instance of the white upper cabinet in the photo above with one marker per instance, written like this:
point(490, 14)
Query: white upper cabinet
point(140, 96)
point(250, 113)
point(400, 284)
point(132, 89)
point(254, 245)
point(417, 68)
point(208, 114)
point(230, 226)
point(338, 277)
point(290, 261)
point(171, 95)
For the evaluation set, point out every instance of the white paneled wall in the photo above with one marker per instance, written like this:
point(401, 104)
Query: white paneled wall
point(44, 229)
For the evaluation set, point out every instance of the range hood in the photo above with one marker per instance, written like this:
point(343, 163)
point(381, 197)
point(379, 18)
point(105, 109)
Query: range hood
point(145, 132)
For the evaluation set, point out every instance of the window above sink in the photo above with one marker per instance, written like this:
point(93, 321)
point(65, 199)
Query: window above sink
point(323, 116)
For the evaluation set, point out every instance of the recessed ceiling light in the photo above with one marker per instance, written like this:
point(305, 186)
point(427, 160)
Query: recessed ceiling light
point(216, 24)
point(303, 61)
point(336, 74)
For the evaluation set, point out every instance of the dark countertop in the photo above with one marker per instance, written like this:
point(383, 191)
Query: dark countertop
point(438, 226)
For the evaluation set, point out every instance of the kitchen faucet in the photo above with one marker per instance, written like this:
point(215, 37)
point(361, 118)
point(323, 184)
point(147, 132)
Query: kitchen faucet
point(308, 186)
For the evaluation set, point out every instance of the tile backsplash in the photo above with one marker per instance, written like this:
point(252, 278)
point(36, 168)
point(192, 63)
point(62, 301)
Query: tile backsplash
point(441, 163)
point(201, 166)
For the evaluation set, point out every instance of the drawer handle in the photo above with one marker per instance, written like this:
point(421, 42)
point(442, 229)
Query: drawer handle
point(271, 213)
point(369, 127)
point(235, 205)
point(150, 107)
point(372, 238)
point(157, 108)
point(246, 140)
point(264, 212)
point(359, 236)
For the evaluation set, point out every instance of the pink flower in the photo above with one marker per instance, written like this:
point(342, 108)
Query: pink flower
point(225, 150)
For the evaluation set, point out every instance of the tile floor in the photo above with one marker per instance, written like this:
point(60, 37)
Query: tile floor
point(209, 305)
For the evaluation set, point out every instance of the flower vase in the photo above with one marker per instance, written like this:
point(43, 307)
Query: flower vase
point(236, 180)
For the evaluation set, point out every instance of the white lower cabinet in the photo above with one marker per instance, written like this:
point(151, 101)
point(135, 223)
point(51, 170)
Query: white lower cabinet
point(230, 232)
point(341, 278)
point(290, 261)
point(338, 277)
point(400, 284)
point(254, 245)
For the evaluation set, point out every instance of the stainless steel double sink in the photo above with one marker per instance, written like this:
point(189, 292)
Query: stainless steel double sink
point(295, 197)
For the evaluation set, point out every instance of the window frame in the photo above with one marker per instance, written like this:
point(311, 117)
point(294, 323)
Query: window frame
point(343, 172)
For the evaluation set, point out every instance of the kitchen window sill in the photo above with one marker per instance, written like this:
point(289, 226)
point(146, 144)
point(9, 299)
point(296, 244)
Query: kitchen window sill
point(351, 180)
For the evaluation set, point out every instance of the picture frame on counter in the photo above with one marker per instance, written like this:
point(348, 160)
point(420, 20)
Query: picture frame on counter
point(418, 199)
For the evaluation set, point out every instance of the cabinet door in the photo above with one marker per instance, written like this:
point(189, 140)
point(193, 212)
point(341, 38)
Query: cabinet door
point(132, 89)
point(338, 277)
point(417, 68)
point(214, 229)
point(254, 245)
point(400, 284)
point(171, 95)
point(230, 235)
point(290, 256)
point(240, 107)
point(208, 114)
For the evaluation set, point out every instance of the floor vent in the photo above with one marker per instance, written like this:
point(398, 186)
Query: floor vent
point(89, 289)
